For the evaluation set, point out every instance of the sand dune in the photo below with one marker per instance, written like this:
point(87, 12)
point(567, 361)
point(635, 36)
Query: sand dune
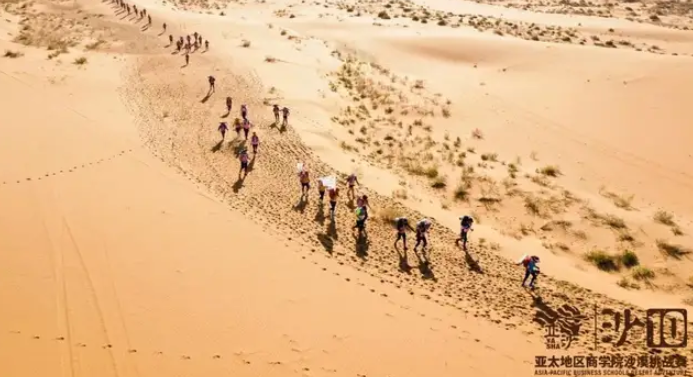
point(134, 247)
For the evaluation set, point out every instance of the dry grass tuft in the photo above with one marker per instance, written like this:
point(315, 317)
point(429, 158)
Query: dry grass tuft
point(550, 171)
point(245, 43)
point(629, 259)
point(80, 61)
point(642, 273)
point(672, 250)
point(13, 54)
point(664, 217)
point(620, 201)
point(270, 59)
point(603, 260)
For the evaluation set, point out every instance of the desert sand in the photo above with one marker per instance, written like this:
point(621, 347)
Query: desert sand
point(131, 246)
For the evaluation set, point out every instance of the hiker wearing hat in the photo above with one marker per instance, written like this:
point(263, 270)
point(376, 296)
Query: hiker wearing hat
point(531, 268)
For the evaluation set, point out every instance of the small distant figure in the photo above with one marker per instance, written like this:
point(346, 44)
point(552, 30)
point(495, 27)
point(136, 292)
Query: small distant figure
point(304, 178)
point(187, 37)
point(229, 104)
point(206, 45)
point(321, 190)
point(246, 127)
point(187, 58)
point(275, 110)
point(179, 45)
point(128, 9)
point(285, 116)
point(149, 20)
point(134, 9)
point(243, 156)
point(211, 80)
point(195, 46)
point(223, 127)
point(333, 193)
point(237, 126)
point(244, 112)
point(170, 38)
point(402, 224)
point(255, 142)
point(164, 26)
point(465, 226)
point(422, 228)
point(199, 39)
point(351, 182)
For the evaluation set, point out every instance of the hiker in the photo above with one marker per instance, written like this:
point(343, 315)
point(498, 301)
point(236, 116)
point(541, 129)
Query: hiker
point(195, 46)
point(246, 127)
point(531, 268)
point(187, 38)
point(128, 9)
point(244, 112)
point(255, 142)
point(422, 228)
point(134, 9)
point(321, 190)
point(195, 35)
point(170, 38)
point(401, 223)
point(164, 26)
point(466, 225)
point(187, 58)
point(199, 39)
point(229, 104)
point(360, 220)
point(351, 181)
point(362, 202)
point(206, 45)
point(244, 163)
point(149, 20)
point(223, 127)
point(211, 80)
point(275, 110)
point(304, 178)
point(285, 116)
point(179, 45)
point(237, 126)
point(333, 193)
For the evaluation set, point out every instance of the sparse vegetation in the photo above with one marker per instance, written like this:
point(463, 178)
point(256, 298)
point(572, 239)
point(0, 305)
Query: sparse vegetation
point(664, 217)
point(620, 201)
point(603, 260)
point(550, 171)
point(80, 61)
point(629, 259)
point(270, 59)
point(439, 182)
point(642, 273)
point(245, 43)
point(13, 54)
point(672, 250)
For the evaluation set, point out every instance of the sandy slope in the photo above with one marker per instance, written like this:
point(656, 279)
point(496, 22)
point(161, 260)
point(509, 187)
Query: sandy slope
point(115, 247)
point(114, 265)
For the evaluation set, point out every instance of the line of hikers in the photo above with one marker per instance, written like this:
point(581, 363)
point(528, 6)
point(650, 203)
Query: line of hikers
point(141, 13)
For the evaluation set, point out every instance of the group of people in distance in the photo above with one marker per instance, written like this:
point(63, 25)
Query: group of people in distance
point(401, 224)
point(244, 124)
point(141, 13)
